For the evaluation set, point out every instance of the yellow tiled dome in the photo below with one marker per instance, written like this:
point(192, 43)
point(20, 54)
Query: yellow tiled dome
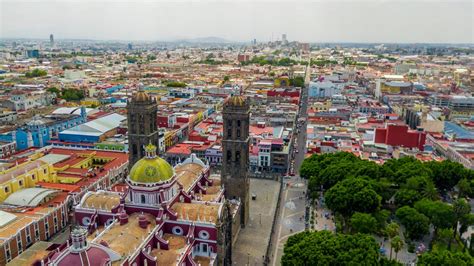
point(151, 168)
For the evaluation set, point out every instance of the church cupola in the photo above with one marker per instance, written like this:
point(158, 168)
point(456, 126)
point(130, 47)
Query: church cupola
point(79, 239)
point(150, 151)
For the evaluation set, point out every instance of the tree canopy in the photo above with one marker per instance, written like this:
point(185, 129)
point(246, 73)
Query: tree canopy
point(444, 257)
point(416, 224)
point(72, 94)
point(326, 248)
point(36, 73)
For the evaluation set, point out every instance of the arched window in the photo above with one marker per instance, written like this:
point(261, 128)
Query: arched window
point(143, 199)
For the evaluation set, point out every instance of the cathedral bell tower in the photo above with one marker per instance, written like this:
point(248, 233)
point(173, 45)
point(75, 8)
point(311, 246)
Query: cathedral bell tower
point(236, 115)
point(142, 125)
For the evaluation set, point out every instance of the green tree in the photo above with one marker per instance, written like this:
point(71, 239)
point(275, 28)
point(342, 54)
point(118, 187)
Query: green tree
point(407, 197)
point(297, 82)
point(445, 257)
point(441, 214)
point(397, 245)
point(446, 174)
point(392, 230)
point(326, 248)
point(352, 195)
point(464, 188)
point(151, 57)
point(416, 224)
point(462, 217)
point(36, 73)
point(363, 223)
point(226, 78)
point(54, 90)
point(176, 84)
point(72, 95)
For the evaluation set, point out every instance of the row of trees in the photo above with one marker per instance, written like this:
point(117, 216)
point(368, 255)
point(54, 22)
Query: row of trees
point(265, 60)
point(176, 84)
point(297, 82)
point(367, 197)
point(67, 94)
point(36, 73)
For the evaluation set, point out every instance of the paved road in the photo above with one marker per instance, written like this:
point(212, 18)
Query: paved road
point(293, 203)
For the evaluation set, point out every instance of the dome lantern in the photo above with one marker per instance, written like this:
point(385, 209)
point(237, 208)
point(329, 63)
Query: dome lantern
point(150, 151)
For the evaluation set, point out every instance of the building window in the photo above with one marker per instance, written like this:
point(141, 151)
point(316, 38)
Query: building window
point(20, 245)
point(203, 234)
point(229, 132)
point(238, 133)
point(177, 230)
point(238, 123)
point(237, 156)
point(143, 199)
point(7, 253)
point(28, 236)
point(86, 221)
point(20, 182)
point(229, 156)
point(36, 231)
point(7, 189)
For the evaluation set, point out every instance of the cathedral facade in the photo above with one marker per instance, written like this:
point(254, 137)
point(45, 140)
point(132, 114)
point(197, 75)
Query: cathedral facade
point(163, 215)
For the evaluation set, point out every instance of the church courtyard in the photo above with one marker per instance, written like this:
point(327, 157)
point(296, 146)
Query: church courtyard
point(252, 242)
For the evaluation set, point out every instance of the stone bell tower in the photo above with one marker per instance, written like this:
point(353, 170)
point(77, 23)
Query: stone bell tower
point(142, 125)
point(235, 143)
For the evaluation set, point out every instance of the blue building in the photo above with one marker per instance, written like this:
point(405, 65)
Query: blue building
point(93, 131)
point(40, 130)
point(32, 53)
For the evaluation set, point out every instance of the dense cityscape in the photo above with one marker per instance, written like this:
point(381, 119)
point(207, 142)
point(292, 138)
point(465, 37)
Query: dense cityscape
point(205, 151)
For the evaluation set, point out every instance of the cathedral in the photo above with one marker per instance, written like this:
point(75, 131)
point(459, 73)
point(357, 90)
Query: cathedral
point(164, 215)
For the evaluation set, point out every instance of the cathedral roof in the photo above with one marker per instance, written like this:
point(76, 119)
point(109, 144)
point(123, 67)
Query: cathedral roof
point(151, 168)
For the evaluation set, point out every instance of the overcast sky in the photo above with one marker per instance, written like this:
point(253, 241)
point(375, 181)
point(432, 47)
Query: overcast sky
point(445, 21)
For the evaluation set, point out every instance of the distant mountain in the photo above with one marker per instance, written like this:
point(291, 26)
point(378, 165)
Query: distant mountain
point(205, 40)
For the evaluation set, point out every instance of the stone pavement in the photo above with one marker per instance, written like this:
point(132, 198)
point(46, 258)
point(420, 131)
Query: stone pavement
point(292, 216)
point(252, 242)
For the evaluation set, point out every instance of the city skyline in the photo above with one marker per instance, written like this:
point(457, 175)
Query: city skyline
point(421, 21)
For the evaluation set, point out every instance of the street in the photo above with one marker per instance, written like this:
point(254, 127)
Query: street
point(293, 201)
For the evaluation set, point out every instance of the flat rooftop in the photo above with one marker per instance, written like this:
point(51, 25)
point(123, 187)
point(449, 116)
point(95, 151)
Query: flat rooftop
point(187, 174)
point(197, 211)
point(176, 246)
point(102, 200)
point(126, 238)
point(36, 252)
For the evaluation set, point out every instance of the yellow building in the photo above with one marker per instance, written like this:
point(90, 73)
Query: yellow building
point(283, 81)
point(25, 175)
point(90, 102)
point(321, 106)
